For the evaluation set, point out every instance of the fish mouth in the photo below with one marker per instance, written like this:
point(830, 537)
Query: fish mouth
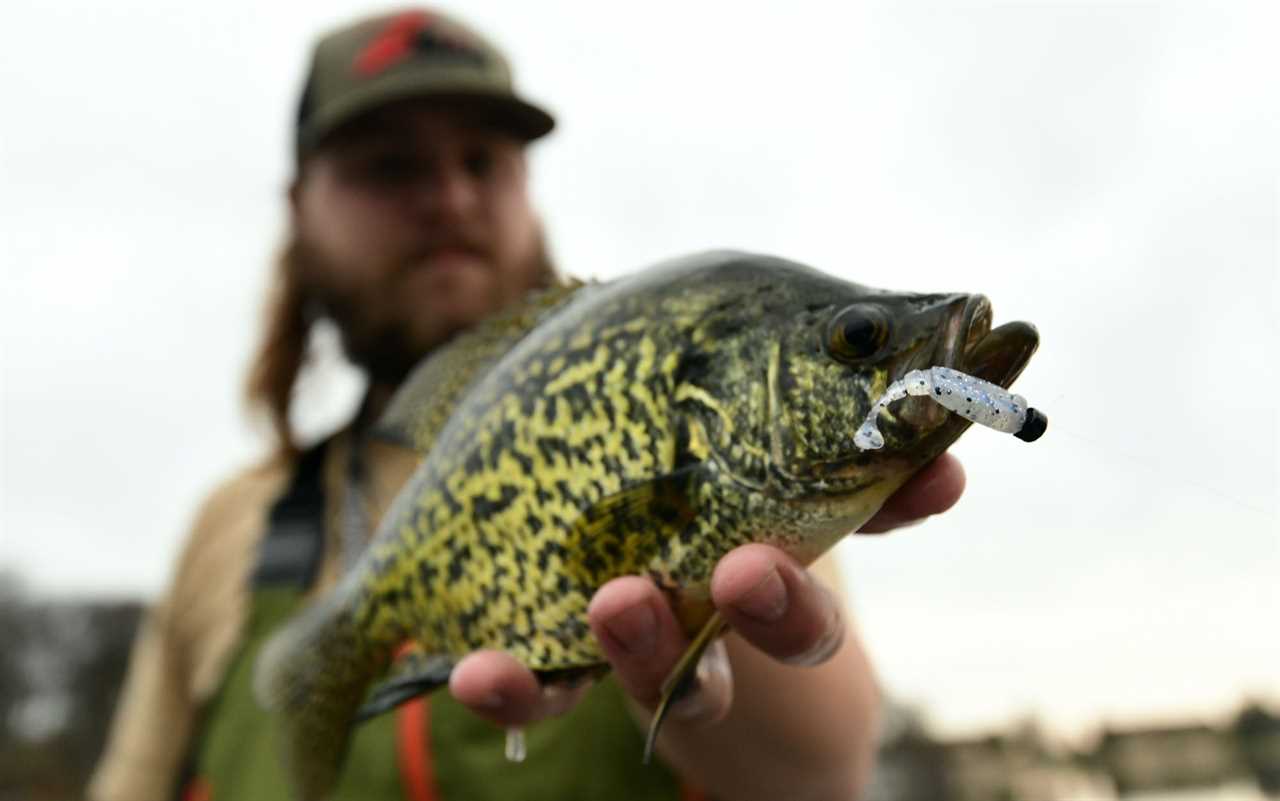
point(967, 342)
point(1000, 355)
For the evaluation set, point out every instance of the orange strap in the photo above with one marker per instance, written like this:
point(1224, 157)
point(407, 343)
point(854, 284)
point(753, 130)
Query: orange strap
point(413, 751)
point(198, 789)
point(690, 793)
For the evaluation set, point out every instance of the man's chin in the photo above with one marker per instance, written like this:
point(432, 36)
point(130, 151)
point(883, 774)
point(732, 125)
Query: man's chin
point(460, 290)
point(449, 268)
point(455, 287)
point(454, 262)
point(389, 351)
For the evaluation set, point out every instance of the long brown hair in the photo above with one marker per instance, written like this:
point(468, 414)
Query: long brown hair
point(282, 350)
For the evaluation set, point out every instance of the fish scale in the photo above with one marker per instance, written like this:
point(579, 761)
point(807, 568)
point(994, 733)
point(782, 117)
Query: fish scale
point(642, 427)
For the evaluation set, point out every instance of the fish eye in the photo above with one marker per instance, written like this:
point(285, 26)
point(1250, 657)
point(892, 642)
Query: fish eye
point(858, 332)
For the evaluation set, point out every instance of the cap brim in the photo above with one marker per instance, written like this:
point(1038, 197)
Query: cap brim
point(502, 111)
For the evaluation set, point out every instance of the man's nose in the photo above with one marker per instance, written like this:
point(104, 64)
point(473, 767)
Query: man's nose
point(448, 192)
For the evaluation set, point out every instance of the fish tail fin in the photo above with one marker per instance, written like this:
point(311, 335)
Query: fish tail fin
point(313, 674)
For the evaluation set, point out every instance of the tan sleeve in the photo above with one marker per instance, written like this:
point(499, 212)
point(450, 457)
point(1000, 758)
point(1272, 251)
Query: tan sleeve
point(149, 734)
point(186, 642)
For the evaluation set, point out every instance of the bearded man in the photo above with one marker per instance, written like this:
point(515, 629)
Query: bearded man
point(410, 220)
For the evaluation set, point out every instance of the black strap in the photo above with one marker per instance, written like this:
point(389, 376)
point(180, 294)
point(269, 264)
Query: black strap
point(290, 554)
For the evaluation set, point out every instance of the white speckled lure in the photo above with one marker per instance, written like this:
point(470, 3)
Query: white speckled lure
point(515, 750)
point(970, 397)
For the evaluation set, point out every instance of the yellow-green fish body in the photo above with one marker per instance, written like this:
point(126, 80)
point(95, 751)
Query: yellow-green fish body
point(645, 426)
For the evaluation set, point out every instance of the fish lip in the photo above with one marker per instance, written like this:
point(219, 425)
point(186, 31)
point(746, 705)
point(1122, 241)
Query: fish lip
point(1002, 353)
point(963, 332)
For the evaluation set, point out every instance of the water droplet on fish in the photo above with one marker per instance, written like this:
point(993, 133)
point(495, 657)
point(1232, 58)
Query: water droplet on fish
point(970, 397)
point(515, 749)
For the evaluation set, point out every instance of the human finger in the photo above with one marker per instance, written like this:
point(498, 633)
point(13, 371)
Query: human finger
point(495, 686)
point(777, 606)
point(642, 640)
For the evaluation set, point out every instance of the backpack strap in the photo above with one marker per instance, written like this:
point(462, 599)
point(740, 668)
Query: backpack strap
point(290, 554)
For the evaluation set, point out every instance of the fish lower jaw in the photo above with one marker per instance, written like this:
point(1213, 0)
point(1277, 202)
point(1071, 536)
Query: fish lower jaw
point(839, 513)
point(832, 524)
point(813, 487)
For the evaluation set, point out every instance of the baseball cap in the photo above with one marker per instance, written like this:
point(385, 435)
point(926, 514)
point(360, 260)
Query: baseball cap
point(407, 54)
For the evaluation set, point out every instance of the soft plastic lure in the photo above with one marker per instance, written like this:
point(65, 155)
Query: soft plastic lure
point(968, 396)
point(515, 750)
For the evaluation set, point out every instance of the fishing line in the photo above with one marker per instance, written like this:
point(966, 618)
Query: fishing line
point(1147, 464)
point(993, 406)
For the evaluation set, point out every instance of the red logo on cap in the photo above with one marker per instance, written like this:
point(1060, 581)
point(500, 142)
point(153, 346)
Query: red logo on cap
point(393, 44)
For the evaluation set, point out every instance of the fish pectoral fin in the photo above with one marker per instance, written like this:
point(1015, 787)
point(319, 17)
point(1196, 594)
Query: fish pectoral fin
point(620, 533)
point(414, 673)
point(681, 680)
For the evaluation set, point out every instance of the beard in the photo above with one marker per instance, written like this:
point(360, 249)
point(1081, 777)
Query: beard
point(378, 333)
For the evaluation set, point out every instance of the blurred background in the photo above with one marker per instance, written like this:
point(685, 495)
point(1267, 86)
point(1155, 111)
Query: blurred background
point(1098, 616)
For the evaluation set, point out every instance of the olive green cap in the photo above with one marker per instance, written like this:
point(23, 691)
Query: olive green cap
point(413, 53)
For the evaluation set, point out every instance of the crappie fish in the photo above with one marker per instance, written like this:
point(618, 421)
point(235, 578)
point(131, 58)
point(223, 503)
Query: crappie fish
point(645, 426)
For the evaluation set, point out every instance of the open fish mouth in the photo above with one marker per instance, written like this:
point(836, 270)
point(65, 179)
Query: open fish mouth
point(967, 342)
point(1001, 354)
point(997, 355)
point(968, 325)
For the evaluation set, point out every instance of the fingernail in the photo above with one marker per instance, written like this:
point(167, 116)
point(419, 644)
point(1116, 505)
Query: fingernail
point(826, 646)
point(634, 628)
point(765, 602)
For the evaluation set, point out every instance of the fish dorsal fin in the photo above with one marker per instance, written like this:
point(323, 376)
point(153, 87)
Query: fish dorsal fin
point(419, 409)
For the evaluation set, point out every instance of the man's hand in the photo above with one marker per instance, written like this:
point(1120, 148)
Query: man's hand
point(766, 598)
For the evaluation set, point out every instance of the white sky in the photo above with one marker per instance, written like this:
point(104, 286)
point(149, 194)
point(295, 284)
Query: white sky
point(1108, 172)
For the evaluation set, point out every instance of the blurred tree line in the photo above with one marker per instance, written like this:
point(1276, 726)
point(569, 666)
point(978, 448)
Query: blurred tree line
point(61, 665)
point(1021, 763)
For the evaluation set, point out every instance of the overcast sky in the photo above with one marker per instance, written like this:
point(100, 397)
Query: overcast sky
point(1108, 172)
